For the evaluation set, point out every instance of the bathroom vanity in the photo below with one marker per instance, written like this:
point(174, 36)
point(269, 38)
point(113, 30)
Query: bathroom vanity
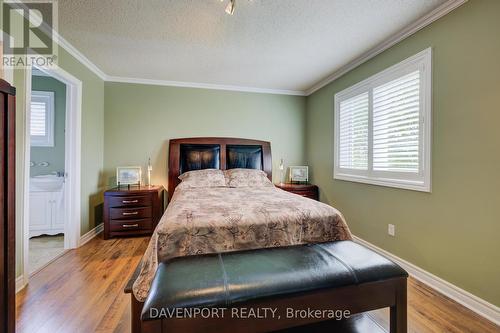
point(46, 205)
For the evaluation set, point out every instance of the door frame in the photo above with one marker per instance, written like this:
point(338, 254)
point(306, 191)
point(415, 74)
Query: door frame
point(72, 160)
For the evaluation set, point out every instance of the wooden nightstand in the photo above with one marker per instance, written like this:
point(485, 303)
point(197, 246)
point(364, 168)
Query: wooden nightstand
point(132, 212)
point(305, 190)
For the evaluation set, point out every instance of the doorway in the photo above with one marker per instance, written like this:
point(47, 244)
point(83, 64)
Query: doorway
point(47, 170)
point(51, 168)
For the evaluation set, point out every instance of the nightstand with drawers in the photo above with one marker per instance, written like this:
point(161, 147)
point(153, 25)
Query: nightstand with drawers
point(306, 190)
point(132, 211)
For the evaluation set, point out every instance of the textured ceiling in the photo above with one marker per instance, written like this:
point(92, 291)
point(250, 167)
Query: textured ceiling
point(272, 44)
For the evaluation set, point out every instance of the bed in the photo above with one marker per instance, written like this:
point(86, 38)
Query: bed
point(230, 238)
point(214, 219)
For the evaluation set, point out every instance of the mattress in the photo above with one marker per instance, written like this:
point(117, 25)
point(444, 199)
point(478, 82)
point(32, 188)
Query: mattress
point(222, 219)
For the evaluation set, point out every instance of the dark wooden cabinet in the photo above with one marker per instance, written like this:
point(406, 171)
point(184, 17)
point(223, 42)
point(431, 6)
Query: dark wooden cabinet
point(305, 190)
point(7, 207)
point(132, 211)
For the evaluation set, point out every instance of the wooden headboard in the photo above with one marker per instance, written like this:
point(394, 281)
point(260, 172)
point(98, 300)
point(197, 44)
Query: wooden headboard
point(217, 153)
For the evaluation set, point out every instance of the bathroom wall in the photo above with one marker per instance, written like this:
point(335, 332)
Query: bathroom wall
point(54, 156)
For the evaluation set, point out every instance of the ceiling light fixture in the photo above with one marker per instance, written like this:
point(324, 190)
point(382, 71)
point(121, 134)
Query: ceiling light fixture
point(230, 7)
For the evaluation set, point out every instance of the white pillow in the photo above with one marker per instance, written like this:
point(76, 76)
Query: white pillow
point(247, 178)
point(203, 178)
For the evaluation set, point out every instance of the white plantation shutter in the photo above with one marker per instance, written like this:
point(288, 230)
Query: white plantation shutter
point(42, 119)
point(354, 132)
point(38, 118)
point(383, 127)
point(396, 117)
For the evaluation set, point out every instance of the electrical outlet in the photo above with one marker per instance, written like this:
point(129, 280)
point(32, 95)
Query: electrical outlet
point(391, 230)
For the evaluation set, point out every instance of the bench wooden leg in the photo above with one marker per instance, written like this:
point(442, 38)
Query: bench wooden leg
point(139, 326)
point(136, 308)
point(398, 311)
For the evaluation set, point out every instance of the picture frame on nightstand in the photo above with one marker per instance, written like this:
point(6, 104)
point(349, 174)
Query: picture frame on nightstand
point(299, 174)
point(129, 175)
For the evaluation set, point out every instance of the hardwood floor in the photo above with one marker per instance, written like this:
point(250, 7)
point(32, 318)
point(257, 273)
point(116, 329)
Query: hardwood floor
point(82, 291)
point(430, 311)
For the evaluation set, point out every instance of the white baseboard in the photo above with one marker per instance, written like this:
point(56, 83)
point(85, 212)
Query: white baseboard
point(20, 283)
point(470, 301)
point(91, 234)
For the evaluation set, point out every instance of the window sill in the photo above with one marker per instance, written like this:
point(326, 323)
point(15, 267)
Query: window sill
point(387, 182)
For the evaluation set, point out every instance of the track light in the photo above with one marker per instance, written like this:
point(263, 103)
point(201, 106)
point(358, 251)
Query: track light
point(230, 7)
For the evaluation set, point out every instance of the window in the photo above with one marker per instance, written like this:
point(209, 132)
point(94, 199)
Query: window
point(383, 127)
point(42, 119)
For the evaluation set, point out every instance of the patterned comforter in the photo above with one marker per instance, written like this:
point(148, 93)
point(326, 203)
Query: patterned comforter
point(221, 219)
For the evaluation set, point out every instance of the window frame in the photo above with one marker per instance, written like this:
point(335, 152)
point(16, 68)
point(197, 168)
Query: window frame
point(420, 181)
point(48, 139)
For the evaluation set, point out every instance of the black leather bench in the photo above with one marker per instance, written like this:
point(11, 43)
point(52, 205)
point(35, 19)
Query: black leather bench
point(337, 276)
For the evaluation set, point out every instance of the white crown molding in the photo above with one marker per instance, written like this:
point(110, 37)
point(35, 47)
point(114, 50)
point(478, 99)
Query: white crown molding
point(419, 24)
point(56, 37)
point(470, 301)
point(79, 56)
point(391, 41)
point(91, 234)
point(204, 86)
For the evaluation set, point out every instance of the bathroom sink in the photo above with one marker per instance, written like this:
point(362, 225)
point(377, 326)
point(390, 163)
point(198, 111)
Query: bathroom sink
point(44, 183)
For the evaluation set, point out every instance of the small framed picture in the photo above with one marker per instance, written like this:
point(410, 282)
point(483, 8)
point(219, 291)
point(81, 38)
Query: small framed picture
point(130, 175)
point(299, 173)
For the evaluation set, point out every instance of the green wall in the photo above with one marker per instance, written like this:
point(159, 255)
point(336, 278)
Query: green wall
point(92, 158)
point(92, 142)
point(454, 231)
point(53, 155)
point(140, 119)
point(451, 232)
